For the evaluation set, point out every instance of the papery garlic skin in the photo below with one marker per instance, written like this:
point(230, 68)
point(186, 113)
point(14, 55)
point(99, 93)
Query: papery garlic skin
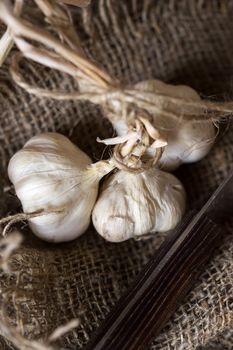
point(132, 205)
point(187, 141)
point(48, 174)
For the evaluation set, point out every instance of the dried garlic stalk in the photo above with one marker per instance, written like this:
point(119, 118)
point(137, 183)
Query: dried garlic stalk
point(79, 3)
point(168, 108)
point(96, 84)
point(6, 41)
point(6, 44)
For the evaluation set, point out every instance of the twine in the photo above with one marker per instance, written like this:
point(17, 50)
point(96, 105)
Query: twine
point(129, 97)
point(101, 88)
point(96, 85)
point(20, 217)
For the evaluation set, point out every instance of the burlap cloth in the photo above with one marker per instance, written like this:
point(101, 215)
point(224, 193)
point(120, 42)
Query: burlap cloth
point(188, 42)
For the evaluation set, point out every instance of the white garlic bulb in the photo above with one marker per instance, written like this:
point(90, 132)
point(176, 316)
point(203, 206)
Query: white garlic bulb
point(53, 175)
point(132, 205)
point(188, 141)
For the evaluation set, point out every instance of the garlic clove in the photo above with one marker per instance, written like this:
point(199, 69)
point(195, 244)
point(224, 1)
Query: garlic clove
point(133, 205)
point(187, 143)
point(50, 175)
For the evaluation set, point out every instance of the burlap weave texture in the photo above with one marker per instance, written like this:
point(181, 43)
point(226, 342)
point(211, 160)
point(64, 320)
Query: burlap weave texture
point(188, 42)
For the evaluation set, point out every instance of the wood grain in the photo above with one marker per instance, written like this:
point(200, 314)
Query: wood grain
point(143, 311)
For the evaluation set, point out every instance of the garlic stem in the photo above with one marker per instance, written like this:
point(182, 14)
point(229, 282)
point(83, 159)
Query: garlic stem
point(67, 32)
point(101, 168)
point(21, 28)
point(79, 3)
point(6, 44)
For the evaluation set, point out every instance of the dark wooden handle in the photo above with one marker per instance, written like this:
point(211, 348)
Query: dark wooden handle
point(144, 309)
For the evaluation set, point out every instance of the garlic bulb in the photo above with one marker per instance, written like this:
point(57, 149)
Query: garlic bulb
point(52, 175)
point(132, 205)
point(188, 141)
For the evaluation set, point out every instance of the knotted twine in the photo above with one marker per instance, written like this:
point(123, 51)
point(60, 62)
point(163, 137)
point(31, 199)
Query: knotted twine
point(96, 85)
point(119, 101)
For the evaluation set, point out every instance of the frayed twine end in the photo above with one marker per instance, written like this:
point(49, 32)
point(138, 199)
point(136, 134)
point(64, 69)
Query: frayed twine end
point(20, 217)
point(7, 246)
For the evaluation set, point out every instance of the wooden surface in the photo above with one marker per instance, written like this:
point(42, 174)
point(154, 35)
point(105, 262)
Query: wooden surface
point(158, 289)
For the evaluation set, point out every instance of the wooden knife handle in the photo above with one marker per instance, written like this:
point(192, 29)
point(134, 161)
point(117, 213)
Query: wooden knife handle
point(155, 294)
